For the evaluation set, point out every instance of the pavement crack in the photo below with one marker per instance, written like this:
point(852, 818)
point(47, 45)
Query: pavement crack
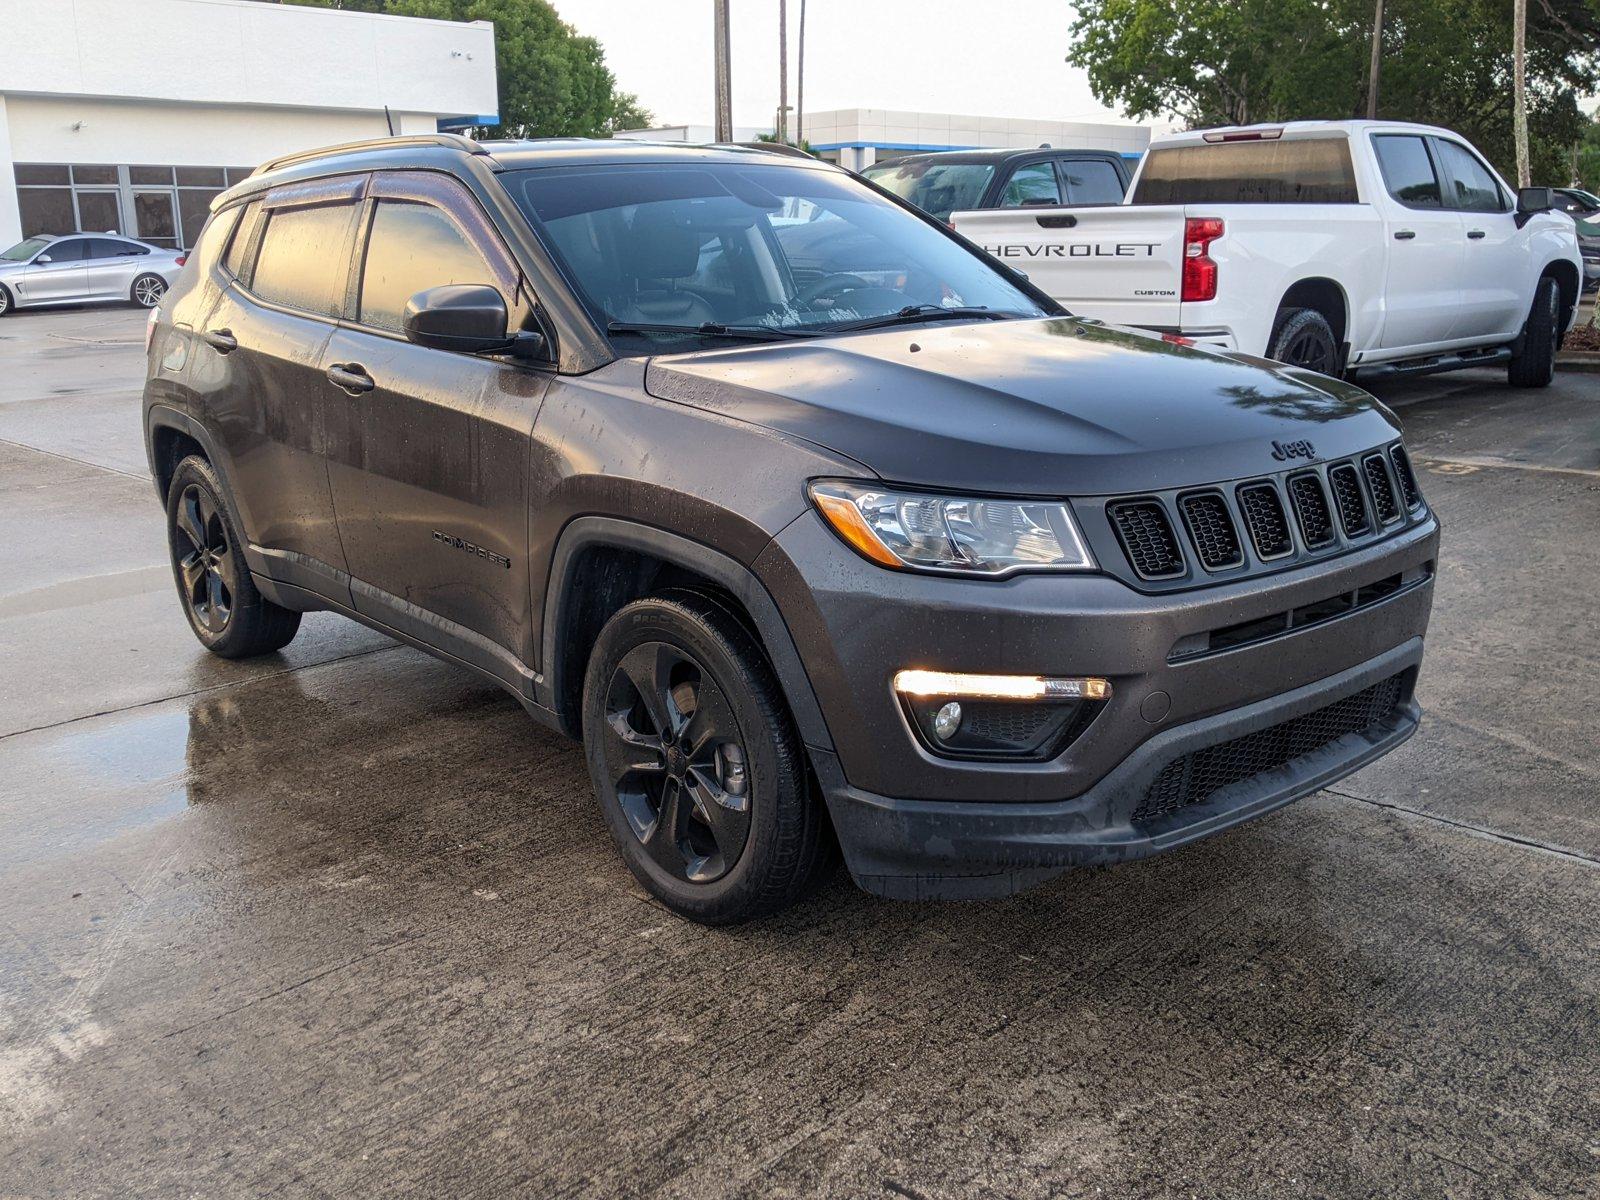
point(216, 687)
point(1493, 835)
point(82, 462)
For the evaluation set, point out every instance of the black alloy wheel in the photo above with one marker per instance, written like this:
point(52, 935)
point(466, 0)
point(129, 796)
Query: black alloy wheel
point(1305, 339)
point(205, 564)
point(677, 761)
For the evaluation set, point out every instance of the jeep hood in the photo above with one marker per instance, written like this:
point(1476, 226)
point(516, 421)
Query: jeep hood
point(1059, 406)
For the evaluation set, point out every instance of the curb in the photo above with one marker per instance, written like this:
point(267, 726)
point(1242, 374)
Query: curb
point(1578, 360)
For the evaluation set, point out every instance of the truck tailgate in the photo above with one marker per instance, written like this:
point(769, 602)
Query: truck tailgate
point(1121, 263)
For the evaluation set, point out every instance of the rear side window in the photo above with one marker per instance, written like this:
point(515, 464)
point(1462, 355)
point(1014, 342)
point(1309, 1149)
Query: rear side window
point(1469, 185)
point(1407, 170)
point(1299, 171)
point(114, 248)
point(305, 258)
point(413, 247)
point(214, 236)
point(1092, 181)
point(1032, 184)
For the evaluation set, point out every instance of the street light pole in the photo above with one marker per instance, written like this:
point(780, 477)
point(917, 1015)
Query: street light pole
point(800, 82)
point(1377, 54)
point(724, 82)
point(782, 131)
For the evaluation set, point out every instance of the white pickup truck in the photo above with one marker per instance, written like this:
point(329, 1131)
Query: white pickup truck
point(1336, 245)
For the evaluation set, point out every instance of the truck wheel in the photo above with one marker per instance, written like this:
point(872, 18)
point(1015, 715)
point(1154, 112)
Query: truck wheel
point(1534, 366)
point(696, 762)
point(1303, 338)
point(227, 612)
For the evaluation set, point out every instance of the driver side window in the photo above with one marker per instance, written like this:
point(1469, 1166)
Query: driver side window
point(413, 247)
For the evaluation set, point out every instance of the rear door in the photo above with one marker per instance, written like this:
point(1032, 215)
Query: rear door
point(1089, 181)
point(1495, 265)
point(257, 364)
point(429, 460)
point(1422, 289)
point(63, 278)
point(111, 266)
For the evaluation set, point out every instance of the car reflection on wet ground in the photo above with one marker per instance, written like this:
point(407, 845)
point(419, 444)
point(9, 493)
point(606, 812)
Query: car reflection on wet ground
point(343, 920)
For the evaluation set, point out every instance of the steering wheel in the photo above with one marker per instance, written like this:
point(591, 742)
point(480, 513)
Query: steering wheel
point(832, 286)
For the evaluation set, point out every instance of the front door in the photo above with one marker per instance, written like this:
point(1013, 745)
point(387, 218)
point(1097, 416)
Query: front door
point(61, 278)
point(429, 462)
point(1423, 286)
point(1495, 251)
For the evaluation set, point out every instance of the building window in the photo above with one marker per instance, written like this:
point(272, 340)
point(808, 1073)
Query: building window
point(166, 206)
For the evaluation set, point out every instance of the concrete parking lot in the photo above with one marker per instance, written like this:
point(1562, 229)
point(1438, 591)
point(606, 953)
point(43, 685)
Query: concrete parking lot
point(343, 921)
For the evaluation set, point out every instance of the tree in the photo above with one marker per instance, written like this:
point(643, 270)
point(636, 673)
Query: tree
point(554, 82)
point(1445, 62)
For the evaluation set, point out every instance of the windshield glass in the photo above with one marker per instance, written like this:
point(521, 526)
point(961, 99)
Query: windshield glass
point(938, 188)
point(24, 250)
point(765, 248)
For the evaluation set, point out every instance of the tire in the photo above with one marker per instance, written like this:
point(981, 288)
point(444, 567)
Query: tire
point(228, 614)
point(147, 290)
point(6, 304)
point(1534, 366)
point(717, 819)
point(1302, 337)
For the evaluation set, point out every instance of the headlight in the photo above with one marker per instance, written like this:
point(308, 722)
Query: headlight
point(962, 535)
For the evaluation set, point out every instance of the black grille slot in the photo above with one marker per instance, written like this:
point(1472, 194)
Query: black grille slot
point(1263, 513)
point(1383, 502)
point(1407, 478)
point(1311, 510)
point(1347, 495)
point(1197, 776)
point(1211, 530)
point(1147, 537)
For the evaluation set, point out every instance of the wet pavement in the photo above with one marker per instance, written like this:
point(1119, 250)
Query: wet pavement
point(343, 921)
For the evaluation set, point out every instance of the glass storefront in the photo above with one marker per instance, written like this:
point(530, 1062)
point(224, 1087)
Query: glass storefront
point(165, 206)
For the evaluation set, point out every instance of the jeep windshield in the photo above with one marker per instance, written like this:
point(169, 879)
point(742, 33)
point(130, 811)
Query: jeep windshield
point(685, 253)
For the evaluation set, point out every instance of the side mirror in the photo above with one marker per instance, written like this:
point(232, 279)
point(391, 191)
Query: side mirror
point(1532, 200)
point(44, 258)
point(468, 317)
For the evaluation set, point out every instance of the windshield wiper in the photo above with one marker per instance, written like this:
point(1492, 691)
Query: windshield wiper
point(753, 333)
point(913, 314)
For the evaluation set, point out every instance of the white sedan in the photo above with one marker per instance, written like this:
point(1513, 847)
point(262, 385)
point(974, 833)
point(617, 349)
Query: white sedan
point(85, 268)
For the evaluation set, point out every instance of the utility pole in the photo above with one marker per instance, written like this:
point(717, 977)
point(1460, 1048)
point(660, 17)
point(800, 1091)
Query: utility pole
point(724, 85)
point(800, 83)
point(782, 130)
point(1519, 118)
point(1377, 55)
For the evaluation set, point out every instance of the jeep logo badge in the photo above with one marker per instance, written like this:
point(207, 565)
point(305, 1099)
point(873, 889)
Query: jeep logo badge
point(1284, 451)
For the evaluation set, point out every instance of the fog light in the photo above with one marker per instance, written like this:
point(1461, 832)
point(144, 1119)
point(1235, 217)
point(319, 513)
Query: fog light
point(946, 721)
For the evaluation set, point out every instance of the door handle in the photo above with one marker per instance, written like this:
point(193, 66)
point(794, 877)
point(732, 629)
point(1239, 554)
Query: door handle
point(1404, 235)
point(352, 377)
point(220, 340)
point(1475, 234)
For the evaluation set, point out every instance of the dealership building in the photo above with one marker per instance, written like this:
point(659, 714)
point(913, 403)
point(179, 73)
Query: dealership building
point(858, 137)
point(131, 117)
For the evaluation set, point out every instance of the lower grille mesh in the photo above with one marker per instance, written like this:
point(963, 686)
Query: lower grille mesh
point(1148, 538)
point(1195, 777)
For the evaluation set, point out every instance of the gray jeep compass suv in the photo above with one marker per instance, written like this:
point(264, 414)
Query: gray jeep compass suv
point(871, 546)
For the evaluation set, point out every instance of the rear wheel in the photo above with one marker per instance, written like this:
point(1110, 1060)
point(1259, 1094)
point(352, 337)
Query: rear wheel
point(1303, 338)
point(147, 290)
point(1535, 364)
point(697, 764)
point(227, 612)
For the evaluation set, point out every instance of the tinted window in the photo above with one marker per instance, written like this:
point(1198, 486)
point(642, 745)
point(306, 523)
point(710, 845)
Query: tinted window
point(939, 188)
point(233, 264)
point(1092, 181)
point(1470, 186)
point(413, 247)
point(114, 248)
point(1407, 170)
point(786, 247)
point(305, 258)
point(1033, 184)
point(1301, 171)
point(66, 250)
point(27, 173)
point(213, 236)
point(46, 210)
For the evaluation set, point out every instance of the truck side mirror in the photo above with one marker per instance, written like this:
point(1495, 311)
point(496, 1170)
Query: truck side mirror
point(1533, 200)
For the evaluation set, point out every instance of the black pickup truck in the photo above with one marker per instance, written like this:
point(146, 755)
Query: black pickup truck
point(957, 180)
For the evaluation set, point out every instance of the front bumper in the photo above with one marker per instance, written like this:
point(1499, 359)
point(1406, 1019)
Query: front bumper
point(917, 849)
point(911, 822)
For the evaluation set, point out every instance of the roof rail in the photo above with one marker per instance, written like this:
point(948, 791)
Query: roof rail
point(451, 141)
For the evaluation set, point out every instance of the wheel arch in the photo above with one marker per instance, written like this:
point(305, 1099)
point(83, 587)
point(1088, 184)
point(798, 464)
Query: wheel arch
point(603, 563)
point(1568, 284)
point(170, 437)
point(1326, 296)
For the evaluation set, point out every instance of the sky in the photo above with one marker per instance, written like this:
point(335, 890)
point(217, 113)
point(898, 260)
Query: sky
point(983, 57)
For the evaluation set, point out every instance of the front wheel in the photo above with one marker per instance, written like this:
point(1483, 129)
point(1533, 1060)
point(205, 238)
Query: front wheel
point(1302, 337)
point(697, 764)
point(147, 290)
point(1534, 366)
point(227, 612)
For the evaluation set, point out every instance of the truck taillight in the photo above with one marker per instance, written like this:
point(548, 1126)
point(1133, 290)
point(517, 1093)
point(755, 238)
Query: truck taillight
point(1199, 270)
